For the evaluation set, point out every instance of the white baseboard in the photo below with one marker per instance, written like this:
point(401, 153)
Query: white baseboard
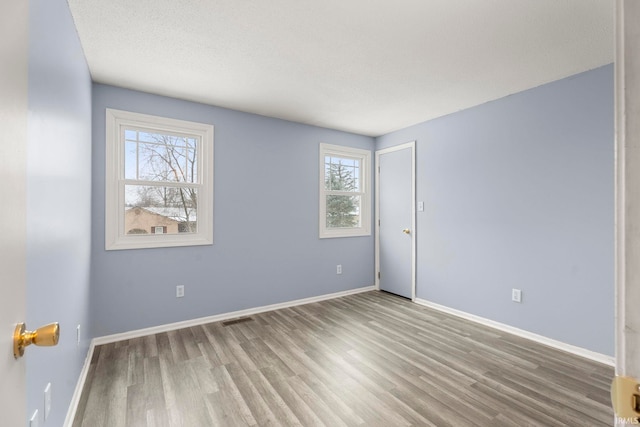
point(77, 393)
point(578, 351)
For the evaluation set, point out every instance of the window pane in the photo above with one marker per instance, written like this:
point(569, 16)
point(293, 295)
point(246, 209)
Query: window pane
point(149, 207)
point(130, 160)
point(153, 156)
point(343, 211)
point(327, 176)
point(356, 178)
point(192, 170)
point(341, 174)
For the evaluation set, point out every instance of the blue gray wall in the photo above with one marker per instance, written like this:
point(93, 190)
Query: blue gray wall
point(266, 248)
point(519, 193)
point(58, 203)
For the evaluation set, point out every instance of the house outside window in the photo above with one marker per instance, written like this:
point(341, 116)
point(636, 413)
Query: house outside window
point(345, 191)
point(159, 182)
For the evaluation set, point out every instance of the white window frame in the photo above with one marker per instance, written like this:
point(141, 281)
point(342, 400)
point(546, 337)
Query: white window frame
point(115, 237)
point(364, 156)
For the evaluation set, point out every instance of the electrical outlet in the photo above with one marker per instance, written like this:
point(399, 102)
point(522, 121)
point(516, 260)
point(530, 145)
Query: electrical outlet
point(179, 291)
point(516, 295)
point(47, 401)
point(420, 206)
point(339, 269)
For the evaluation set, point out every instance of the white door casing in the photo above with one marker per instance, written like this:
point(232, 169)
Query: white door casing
point(395, 250)
point(13, 163)
point(627, 113)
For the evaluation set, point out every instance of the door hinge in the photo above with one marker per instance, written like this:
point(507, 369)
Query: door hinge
point(378, 274)
point(625, 399)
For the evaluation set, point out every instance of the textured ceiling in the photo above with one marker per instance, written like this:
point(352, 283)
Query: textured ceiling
point(364, 66)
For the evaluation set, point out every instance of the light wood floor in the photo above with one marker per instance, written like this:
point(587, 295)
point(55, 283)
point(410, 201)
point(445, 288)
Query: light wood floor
point(370, 359)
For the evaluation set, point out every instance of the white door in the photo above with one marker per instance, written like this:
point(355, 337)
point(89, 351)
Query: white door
point(395, 217)
point(13, 142)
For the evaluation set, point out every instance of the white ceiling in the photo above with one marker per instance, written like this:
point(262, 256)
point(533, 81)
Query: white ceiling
point(364, 66)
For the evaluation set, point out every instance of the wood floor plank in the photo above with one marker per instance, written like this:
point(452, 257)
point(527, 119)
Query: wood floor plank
point(341, 407)
point(135, 368)
point(568, 411)
point(201, 371)
point(315, 404)
point(252, 398)
point(284, 415)
point(368, 359)
point(294, 403)
point(107, 401)
point(136, 407)
point(164, 347)
point(184, 401)
point(157, 417)
point(221, 413)
point(154, 395)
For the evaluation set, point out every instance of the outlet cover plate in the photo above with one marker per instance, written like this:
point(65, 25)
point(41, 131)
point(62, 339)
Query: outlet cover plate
point(516, 295)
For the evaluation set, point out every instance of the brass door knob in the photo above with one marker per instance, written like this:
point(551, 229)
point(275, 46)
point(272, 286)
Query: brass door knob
point(406, 231)
point(45, 336)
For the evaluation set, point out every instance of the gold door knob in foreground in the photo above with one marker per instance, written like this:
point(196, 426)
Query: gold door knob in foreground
point(47, 335)
point(406, 231)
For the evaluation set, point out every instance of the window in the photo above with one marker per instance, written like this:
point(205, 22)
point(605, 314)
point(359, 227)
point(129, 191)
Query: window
point(159, 182)
point(345, 201)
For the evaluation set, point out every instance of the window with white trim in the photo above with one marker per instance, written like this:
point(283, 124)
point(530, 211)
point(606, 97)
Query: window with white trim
point(159, 182)
point(345, 191)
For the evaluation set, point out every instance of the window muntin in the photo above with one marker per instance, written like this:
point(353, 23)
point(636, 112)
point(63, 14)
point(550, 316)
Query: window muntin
point(344, 191)
point(159, 182)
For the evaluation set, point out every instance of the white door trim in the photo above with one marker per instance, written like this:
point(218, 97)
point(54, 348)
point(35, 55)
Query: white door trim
point(412, 146)
point(627, 122)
